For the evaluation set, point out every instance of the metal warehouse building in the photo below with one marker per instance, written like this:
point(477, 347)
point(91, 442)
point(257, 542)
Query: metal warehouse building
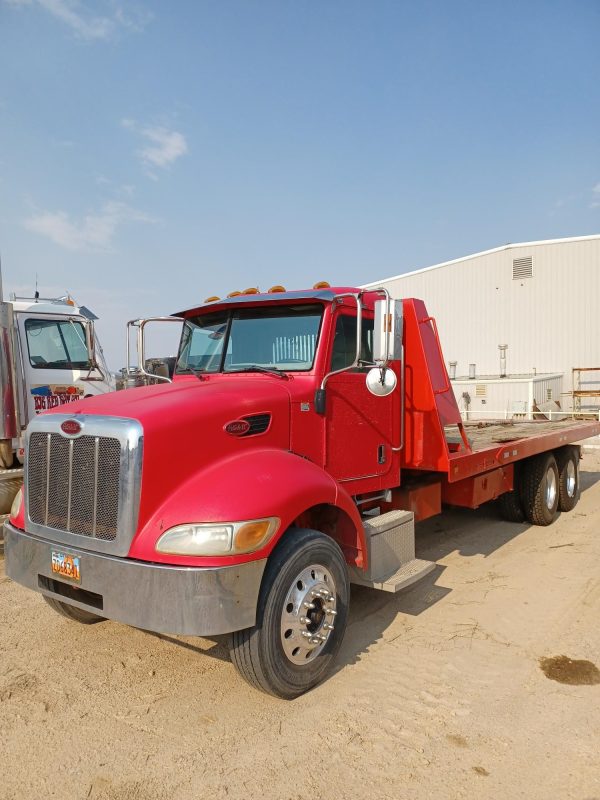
point(541, 299)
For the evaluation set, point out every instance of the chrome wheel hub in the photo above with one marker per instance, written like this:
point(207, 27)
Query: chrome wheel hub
point(308, 614)
point(571, 478)
point(550, 488)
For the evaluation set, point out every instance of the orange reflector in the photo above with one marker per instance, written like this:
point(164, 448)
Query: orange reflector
point(251, 535)
point(234, 294)
point(213, 298)
point(69, 301)
point(252, 290)
point(322, 285)
point(277, 288)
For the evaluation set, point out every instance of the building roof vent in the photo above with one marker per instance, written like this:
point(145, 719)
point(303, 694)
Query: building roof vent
point(522, 268)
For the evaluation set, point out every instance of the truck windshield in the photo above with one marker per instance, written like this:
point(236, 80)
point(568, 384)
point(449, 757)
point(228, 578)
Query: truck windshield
point(56, 344)
point(276, 338)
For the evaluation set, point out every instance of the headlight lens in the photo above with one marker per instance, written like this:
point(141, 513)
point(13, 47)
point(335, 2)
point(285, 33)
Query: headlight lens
point(212, 539)
point(16, 504)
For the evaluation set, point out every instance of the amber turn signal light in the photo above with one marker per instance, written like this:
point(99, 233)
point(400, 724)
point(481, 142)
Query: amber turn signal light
point(251, 535)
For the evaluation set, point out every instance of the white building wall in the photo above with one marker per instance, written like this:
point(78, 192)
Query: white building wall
point(550, 322)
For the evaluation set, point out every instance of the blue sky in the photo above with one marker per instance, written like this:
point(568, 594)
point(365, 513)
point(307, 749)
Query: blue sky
point(152, 154)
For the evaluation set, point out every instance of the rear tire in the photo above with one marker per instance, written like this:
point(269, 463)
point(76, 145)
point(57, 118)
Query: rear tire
point(511, 507)
point(539, 489)
point(301, 617)
point(568, 478)
point(71, 612)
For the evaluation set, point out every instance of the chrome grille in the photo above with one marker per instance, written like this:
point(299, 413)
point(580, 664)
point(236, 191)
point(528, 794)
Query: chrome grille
point(73, 484)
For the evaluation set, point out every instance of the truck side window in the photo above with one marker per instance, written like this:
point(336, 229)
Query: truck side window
point(344, 341)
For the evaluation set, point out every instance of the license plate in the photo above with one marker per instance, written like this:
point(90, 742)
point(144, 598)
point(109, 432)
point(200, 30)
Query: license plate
point(67, 566)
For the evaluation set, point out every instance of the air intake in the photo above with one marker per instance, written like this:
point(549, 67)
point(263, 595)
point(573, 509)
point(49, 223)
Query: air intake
point(259, 423)
point(522, 268)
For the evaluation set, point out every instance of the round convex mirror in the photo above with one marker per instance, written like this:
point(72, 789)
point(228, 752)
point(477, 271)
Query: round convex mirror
point(379, 387)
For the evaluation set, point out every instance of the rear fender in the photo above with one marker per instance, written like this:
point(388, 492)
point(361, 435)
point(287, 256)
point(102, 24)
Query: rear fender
point(252, 485)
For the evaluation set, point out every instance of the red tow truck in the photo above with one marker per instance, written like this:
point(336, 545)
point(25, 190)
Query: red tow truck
point(302, 436)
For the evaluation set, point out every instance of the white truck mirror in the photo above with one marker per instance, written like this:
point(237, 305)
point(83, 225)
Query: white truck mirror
point(387, 333)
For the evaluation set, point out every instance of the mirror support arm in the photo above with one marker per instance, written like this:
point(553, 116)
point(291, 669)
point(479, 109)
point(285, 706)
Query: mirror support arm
point(320, 394)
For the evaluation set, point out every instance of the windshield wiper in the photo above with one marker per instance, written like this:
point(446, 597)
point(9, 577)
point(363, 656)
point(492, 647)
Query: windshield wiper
point(196, 372)
point(258, 368)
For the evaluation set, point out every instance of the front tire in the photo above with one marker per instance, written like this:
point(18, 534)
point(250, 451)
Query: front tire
point(71, 612)
point(301, 617)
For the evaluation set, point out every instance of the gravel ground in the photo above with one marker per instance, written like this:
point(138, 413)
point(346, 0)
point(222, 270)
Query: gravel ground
point(440, 691)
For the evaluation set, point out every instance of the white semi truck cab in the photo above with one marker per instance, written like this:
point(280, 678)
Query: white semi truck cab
point(49, 357)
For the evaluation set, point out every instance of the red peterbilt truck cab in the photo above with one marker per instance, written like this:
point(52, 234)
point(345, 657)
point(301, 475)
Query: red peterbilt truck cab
point(301, 437)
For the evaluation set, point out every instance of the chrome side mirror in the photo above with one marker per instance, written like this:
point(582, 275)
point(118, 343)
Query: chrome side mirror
point(381, 381)
point(91, 342)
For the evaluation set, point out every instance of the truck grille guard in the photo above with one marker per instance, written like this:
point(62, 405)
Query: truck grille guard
point(83, 489)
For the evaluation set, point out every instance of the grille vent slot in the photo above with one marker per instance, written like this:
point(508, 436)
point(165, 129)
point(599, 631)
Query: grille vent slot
point(258, 424)
point(73, 484)
point(480, 390)
point(522, 268)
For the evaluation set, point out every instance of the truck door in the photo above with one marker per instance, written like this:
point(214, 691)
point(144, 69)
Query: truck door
point(56, 361)
point(359, 426)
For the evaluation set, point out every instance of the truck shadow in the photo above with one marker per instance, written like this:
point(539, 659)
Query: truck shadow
point(468, 533)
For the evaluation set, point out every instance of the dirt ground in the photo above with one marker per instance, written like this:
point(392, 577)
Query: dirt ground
point(439, 691)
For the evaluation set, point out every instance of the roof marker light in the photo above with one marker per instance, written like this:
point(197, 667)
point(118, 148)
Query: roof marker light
point(276, 289)
point(234, 294)
point(322, 285)
point(251, 290)
point(212, 299)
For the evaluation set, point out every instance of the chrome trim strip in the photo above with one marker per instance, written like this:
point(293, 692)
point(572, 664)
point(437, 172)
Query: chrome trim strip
point(70, 483)
point(96, 450)
point(130, 434)
point(48, 442)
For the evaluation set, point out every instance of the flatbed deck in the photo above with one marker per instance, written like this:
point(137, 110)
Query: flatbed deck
point(495, 444)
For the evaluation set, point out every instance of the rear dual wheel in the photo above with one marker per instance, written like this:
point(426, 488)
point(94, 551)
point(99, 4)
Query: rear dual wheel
point(539, 489)
point(301, 617)
point(568, 477)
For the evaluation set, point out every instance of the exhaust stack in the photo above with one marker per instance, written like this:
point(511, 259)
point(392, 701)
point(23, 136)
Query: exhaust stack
point(503, 348)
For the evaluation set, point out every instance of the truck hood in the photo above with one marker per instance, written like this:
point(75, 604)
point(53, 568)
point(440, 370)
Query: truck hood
point(184, 425)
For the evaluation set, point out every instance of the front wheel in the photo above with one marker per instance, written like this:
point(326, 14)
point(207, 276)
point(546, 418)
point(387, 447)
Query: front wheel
point(72, 612)
point(301, 617)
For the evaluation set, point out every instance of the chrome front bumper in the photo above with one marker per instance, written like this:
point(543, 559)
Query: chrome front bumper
point(157, 597)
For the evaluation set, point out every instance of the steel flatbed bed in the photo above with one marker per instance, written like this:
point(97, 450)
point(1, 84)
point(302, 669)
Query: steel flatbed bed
point(495, 444)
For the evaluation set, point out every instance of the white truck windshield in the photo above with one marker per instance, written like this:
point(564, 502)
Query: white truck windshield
point(274, 338)
point(56, 344)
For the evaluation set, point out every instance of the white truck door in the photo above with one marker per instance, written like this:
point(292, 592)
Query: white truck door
point(56, 361)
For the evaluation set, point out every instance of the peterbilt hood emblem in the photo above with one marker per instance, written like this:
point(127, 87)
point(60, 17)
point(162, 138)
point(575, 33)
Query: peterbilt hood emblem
point(237, 427)
point(71, 427)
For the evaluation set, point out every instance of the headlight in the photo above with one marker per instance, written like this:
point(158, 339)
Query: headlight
point(212, 539)
point(16, 504)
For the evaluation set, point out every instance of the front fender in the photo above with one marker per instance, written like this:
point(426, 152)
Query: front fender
point(251, 485)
